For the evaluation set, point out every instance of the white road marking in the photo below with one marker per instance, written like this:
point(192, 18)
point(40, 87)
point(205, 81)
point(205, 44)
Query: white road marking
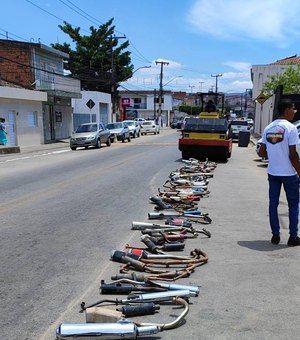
point(34, 156)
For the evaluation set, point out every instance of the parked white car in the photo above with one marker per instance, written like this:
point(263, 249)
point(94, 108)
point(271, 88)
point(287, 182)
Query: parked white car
point(235, 126)
point(139, 120)
point(149, 126)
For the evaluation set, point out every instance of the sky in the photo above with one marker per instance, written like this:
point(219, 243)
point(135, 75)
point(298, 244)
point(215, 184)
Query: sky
point(195, 39)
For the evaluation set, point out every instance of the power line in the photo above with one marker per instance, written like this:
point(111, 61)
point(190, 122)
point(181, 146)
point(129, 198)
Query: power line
point(44, 10)
point(101, 23)
point(38, 69)
point(14, 35)
point(78, 10)
point(143, 58)
point(92, 19)
point(53, 15)
point(73, 9)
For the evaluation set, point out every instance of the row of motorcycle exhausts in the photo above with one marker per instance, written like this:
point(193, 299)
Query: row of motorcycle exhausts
point(108, 319)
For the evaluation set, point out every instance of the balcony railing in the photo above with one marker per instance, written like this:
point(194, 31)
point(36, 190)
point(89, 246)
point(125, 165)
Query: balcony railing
point(58, 85)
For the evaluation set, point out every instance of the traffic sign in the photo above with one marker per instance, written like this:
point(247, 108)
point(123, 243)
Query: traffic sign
point(90, 104)
point(262, 98)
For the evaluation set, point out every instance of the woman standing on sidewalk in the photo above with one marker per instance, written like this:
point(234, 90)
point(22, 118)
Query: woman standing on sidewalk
point(3, 133)
point(279, 142)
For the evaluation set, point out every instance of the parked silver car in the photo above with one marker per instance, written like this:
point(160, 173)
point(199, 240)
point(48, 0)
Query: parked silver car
point(90, 134)
point(134, 128)
point(119, 131)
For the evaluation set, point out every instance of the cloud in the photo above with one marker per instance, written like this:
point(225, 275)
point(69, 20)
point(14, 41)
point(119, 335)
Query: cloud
point(268, 20)
point(237, 86)
point(239, 65)
point(235, 75)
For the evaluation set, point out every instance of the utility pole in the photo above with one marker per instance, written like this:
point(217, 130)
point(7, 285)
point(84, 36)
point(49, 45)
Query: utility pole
point(216, 88)
point(217, 76)
point(201, 83)
point(191, 86)
point(154, 104)
point(113, 74)
point(246, 100)
point(160, 95)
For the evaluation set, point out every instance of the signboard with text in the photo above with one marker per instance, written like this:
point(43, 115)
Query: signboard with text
point(127, 102)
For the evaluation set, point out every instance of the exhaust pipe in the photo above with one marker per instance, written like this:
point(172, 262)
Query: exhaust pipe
point(160, 296)
point(118, 330)
point(161, 215)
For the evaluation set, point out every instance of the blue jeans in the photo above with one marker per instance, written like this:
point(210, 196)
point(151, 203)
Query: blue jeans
point(291, 188)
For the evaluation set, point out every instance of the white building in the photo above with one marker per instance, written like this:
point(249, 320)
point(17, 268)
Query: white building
point(147, 106)
point(260, 74)
point(93, 106)
point(23, 113)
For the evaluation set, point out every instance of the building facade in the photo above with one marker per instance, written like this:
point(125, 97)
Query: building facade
point(38, 67)
point(147, 104)
point(259, 75)
point(23, 113)
point(93, 106)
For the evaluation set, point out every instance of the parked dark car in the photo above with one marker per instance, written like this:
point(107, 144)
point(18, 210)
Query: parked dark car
point(177, 123)
point(90, 134)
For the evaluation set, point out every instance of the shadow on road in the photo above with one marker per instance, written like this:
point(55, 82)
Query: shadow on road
point(261, 245)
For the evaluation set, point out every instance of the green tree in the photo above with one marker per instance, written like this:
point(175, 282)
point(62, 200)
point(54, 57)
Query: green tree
point(290, 79)
point(99, 60)
point(190, 110)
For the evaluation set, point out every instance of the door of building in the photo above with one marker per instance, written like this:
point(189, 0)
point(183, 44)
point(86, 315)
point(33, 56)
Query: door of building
point(12, 136)
point(103, 110)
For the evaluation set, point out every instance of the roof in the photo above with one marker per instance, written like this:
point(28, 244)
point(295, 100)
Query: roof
point(292, 60)
point(141, 92)
point(179, 95)
point(54, 51)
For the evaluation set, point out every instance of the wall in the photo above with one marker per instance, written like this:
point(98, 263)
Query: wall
point(12, 65)
point(22, 110)
point(57, 119)
point(101, 109)
point(263, 112)
point(25, 133)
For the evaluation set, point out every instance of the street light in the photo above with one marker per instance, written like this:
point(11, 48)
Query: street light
point(134, 72)
point(172, 80)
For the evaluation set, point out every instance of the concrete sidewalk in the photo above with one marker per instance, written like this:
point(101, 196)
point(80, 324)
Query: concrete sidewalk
point(5, 150)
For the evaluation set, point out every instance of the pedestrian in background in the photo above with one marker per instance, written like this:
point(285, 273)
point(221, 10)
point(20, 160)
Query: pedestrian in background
point(279, 142)
point(3, 133)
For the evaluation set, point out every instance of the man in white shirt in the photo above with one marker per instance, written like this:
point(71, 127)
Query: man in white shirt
point(279, 142)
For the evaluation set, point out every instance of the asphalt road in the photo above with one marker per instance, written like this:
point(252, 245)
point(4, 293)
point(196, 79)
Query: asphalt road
point(63, 213)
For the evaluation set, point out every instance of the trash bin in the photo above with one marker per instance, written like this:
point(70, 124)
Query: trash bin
point(244, 138)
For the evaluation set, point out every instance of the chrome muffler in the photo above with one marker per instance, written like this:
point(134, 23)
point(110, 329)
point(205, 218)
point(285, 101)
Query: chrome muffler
point(118, 330)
